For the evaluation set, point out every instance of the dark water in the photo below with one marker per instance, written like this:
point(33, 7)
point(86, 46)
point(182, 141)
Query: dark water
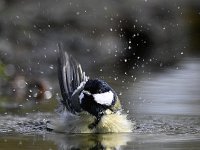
point(110, 141)
point(165, 106)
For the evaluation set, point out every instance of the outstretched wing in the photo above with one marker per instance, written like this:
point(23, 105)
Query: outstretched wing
point(71, 80)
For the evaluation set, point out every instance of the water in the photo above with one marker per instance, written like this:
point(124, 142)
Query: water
point(165, 106)
point(127, 141)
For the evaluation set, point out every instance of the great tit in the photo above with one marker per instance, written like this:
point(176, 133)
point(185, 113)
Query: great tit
point(91, 103)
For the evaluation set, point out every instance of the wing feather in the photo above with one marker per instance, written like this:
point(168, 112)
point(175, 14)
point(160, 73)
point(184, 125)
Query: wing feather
point(70, 76)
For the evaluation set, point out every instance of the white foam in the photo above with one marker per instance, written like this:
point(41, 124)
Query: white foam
point(104, 98)
point(70, 123)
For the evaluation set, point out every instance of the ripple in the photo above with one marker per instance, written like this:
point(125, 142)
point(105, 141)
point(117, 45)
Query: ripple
point(32, 123)
point(35, 123)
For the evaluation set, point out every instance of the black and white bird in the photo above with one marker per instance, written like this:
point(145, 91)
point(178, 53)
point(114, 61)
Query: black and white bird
point(87, 105)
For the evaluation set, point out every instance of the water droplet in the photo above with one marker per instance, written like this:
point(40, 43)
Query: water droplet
point(20, 142)
point(35, 95)
point(51, 67)
point(142, 65)
point(48, 94)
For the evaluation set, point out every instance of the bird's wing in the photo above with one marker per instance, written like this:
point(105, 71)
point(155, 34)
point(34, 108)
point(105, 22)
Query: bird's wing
point(71, 80)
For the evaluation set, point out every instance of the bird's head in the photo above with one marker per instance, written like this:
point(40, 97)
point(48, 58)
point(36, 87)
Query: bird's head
point(97, 97)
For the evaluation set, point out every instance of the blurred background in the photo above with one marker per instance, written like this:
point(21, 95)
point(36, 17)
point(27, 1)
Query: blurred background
point(147, 50)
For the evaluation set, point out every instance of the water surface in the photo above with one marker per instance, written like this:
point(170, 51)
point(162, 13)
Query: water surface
point(165, 106)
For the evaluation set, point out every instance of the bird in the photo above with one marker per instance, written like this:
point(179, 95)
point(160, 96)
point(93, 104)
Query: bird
point(87, 105)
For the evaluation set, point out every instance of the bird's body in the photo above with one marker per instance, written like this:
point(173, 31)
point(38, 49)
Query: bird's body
point(111, 123)
point(88, 105)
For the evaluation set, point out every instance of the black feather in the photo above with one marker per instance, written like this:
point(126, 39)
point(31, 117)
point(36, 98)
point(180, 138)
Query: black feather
point(70, 76)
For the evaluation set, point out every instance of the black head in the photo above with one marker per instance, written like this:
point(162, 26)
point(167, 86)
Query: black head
point(97, 86)
point(96, 97)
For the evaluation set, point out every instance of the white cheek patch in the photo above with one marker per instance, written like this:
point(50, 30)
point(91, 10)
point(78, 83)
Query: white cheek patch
point(104, 98)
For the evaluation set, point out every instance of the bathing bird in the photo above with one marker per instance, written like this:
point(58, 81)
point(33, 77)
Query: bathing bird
point(87, 105)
